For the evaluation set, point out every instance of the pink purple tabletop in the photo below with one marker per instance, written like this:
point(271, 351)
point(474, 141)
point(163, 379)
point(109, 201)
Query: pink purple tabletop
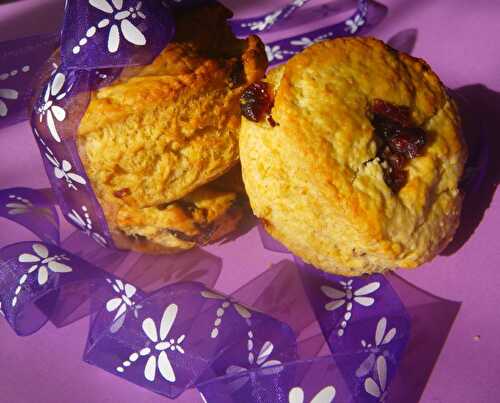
point(459, 39)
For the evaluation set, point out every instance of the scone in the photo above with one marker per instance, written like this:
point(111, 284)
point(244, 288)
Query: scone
point(154, 141)
point(352, 155)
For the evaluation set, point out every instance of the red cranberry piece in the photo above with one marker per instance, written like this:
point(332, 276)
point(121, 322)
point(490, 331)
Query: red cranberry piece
point(396, 161)
point(271, 121)
point(394, 113)
point(385, 128)
point(410, 142)
point(121, 193)
point(256, 101)
point(188, 207)
point(396, 179)
point(399, 140)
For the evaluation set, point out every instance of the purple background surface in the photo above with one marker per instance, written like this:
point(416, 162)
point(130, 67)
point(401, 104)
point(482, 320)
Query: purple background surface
point(459, 38)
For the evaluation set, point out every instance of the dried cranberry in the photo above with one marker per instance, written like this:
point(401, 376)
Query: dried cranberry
point(120, 194)
point(188, 207)
point(394, 113)
point(271, 121)
point(399, 140)
point(396, 179)
point(410, 142)
point(396, 161)
point(256, 101)
point(385, 128)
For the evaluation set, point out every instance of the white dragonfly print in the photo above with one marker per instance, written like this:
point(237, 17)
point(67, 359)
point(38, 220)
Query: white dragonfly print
point(378, 389)
point(325, 395)
point(382, 338)
point(341, 297)
point(347, 297)
point(261, 361)
point(162, 343)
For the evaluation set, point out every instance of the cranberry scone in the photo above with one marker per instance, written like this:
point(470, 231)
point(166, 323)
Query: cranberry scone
point(352, 155)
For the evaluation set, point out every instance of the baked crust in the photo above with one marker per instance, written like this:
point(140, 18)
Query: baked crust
point(315, 178)
point(154, 141)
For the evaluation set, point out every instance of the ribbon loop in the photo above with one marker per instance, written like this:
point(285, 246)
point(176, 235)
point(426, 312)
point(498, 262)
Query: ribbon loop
point(33, 209)
point(34, 277)
point(104, 33)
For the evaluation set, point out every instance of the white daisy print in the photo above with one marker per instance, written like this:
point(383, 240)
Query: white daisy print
point(326, 395)
point(353, 24)
point(227, 303)
point(1, 311)
point(377, 388)
point(347, 297)
point(162, 344)
point(382, 338)
point(49, 108)
point(123, 302)
point(120, 20)
point(64, 170)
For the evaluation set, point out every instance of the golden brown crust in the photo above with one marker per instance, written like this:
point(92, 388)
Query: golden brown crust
point(315, 178)
point(205, 215)
point(162, 133)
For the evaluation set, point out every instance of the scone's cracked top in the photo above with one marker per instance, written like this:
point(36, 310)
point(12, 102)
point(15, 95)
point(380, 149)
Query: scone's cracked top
point(361, 172)
point(166, 131)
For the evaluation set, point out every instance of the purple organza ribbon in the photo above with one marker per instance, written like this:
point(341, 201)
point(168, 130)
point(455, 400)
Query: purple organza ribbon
point(281, 50)
point(187, 335)
point(262, 344)
point(266, 22)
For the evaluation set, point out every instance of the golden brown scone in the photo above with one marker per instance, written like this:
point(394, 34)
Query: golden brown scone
point(154, 140)
point(320, 179)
